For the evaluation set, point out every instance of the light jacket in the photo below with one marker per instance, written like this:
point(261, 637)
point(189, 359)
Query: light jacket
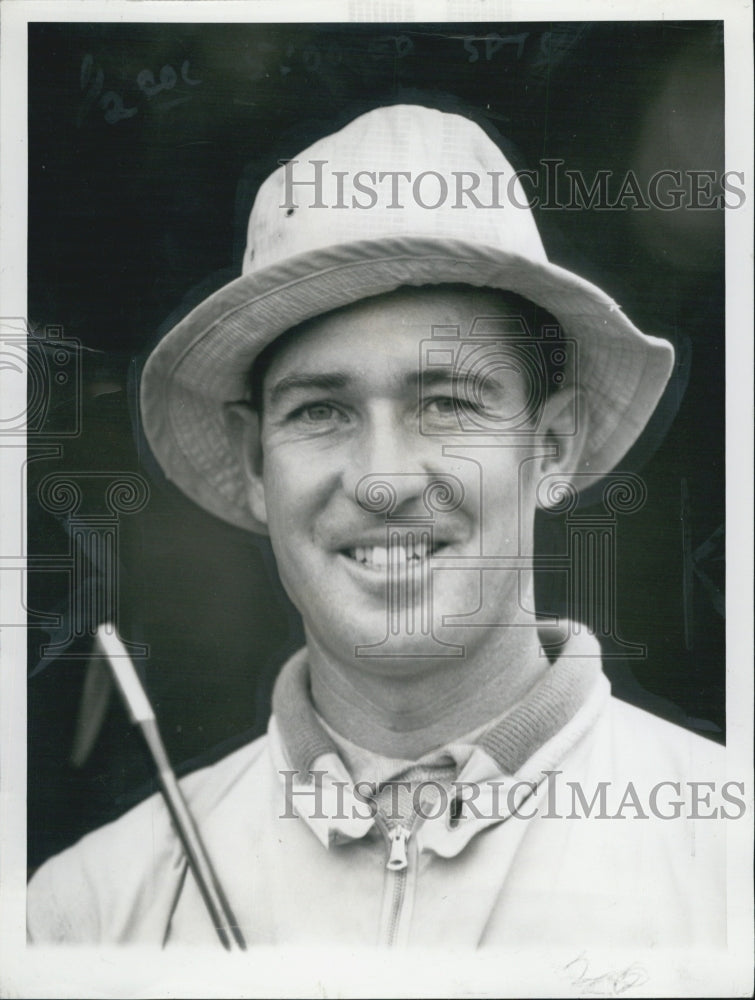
point(578, 818)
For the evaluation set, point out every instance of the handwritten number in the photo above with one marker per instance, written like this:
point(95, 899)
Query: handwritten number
point(92, 81)
point(168, 77)
point(145, 81)
point(185, 74)
point(86, 69)
point(113, 106)
point(94, 90)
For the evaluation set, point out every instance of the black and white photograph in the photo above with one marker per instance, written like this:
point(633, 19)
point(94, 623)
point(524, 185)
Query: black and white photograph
point(376, 441)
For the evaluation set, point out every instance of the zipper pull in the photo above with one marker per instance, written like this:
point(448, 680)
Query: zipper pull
point(397, 859)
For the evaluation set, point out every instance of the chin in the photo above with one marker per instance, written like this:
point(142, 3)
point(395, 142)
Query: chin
point(379, 652)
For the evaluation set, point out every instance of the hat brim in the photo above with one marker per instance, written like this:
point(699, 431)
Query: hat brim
point(203, 362)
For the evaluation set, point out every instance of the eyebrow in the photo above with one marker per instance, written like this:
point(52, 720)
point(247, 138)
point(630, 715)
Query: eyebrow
point(432, 379)
point(325, 382)
point(331, 381)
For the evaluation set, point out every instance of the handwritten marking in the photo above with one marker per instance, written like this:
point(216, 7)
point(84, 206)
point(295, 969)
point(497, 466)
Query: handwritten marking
point(493, 44)
point(607, 984)
point(112, 103)
point(267, 57)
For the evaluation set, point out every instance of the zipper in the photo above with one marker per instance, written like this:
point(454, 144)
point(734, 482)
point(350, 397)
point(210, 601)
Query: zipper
point(398, 863)
point(397, 859)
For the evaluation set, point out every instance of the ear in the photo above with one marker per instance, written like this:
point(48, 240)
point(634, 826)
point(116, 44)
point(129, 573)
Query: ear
point(564, 424)
point(244, 431)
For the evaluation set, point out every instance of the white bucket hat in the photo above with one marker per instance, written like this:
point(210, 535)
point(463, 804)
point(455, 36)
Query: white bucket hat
point(306, 260)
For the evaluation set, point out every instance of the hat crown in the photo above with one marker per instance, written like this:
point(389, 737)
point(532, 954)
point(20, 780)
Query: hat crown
point(402, 170)
point(307, 256)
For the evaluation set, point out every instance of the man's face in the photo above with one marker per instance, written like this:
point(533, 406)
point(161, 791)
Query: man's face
point(350, 396)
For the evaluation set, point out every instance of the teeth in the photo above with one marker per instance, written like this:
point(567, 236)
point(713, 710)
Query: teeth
point(377, 556)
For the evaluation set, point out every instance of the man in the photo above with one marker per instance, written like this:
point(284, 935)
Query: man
point(396, 382)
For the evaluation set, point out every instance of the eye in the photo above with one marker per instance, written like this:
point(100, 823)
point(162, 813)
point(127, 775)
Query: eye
point(443, 405)
point(451, 406)
point(318, 412)
point(322, 413)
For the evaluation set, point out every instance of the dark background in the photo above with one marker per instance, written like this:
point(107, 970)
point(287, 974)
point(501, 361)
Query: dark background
point(141, 178)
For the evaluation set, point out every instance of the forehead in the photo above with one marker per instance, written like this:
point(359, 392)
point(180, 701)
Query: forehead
point(386, 329)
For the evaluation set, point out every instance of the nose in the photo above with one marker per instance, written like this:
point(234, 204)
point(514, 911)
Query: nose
point(393, 469)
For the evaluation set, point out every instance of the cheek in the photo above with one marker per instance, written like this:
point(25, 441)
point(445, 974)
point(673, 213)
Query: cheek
point(506, 500)
point(529, 479)
point(295, 490)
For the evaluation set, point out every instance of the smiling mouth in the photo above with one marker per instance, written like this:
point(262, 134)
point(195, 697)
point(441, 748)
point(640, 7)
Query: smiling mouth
point(377, 557)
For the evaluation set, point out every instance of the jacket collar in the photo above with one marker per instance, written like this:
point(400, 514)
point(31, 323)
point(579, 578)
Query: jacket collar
point(529, 740)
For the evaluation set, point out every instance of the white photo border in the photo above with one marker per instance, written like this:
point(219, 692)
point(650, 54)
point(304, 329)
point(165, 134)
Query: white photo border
point(283, 972)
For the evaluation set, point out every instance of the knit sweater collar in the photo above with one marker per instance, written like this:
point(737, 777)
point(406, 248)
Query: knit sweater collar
point(510, 741)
